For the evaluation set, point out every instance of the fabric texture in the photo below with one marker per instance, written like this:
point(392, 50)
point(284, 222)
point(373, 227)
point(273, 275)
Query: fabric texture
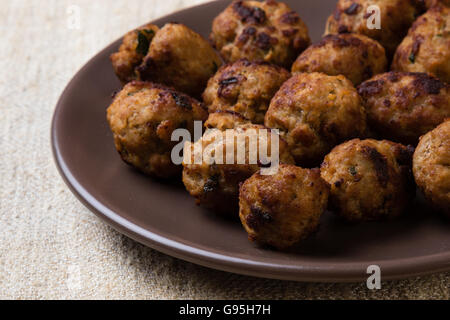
point(51, 246)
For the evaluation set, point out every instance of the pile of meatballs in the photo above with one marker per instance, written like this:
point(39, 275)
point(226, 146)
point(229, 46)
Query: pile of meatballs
point(362, 116)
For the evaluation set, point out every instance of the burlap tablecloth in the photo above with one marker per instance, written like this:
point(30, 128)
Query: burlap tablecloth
point(51, 245)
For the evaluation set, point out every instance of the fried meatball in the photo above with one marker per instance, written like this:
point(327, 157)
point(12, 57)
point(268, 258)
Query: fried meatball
point(431, 167)
point(268, 31)
point(353, 55)
point(224, 120)
point(396, 16)
point(315, 112)
point(213, 181)
point(180, 58)
point(370, 179)
point(132, 51)
point(142, 118)
point(282, 209)
point(245, 87)
point(402, 106)
point(426, 48)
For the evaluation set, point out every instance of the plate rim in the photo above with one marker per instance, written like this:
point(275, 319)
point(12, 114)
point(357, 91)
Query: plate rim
point(319, 272)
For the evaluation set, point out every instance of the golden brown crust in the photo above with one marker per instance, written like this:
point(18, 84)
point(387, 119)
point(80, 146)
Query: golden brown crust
point(282, 209)
point(181, 58)
point(426, 47)
point(315, 112)
point(431, 167)
point(244, 87)
point(268, 31)
point(224, 120)
point(353, 55)
point(403, 106)
point(142, 118)
point(216, 186)
point(132, 51)
point(369, 179)
point(396, 18)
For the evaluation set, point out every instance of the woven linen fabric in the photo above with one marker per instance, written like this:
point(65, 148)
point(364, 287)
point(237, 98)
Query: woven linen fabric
point(51, 246)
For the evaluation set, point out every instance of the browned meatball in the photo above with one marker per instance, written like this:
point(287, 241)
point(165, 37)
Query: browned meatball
point(353, 55)
point(427, 46)
point(269, 31)
point(315, 112)
point(282, 209)
point(142, 118)
point(214, 182)
point(403, 106)
point(244, 87)
point(132, 51)
point(431, 166)
point(370, 179)
point(181, 58)
point(396, 16)
point(224, 120)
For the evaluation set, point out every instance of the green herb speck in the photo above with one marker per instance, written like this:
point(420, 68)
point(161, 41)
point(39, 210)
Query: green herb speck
point(143, 44)
point(412, 57)
point(352, 171)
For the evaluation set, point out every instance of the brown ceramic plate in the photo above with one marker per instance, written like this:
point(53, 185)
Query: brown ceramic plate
point(163, 216)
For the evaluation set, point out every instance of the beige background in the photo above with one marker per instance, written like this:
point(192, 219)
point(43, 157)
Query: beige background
point(50, 245)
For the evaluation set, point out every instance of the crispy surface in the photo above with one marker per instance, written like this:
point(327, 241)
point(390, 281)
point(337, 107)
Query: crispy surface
point(132, 51)
point(396, 18)
point(244, 87)
point(216, 186)
point(282, 209)
point(315, 112)
point(403, 106)
point(268, 31)
point(427, 45)
point(224, 120)
point(353, 55)
point(370, 179)
point(181, 58)
point(431, 167)
point(142, 118)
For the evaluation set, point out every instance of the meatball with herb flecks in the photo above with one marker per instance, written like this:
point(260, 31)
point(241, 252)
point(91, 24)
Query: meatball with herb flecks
point(244, 87)
point(132, 51)
point(314, 112)
point(369, 179)
point(431, 167)
point(355, 56)
point(142, 118)
point(282, 209)
point(269, 31)
point(426, 48)
point(402, 106)
point(214, 180)
point(180, 58)
point(360, 16)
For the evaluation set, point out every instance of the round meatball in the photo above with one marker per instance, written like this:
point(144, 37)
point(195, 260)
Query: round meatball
point(181, 58)
point(224, 120)
point(282, 209)
point(142, 118)
point(427, 45)
point(244, 87)
point(353, 55)
point(370, 179)
point(269, 31)
point(315, 112)
point(396, 16)
point(431, 167)
point(403, 106)
point(132, 51)
point(214, 181)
